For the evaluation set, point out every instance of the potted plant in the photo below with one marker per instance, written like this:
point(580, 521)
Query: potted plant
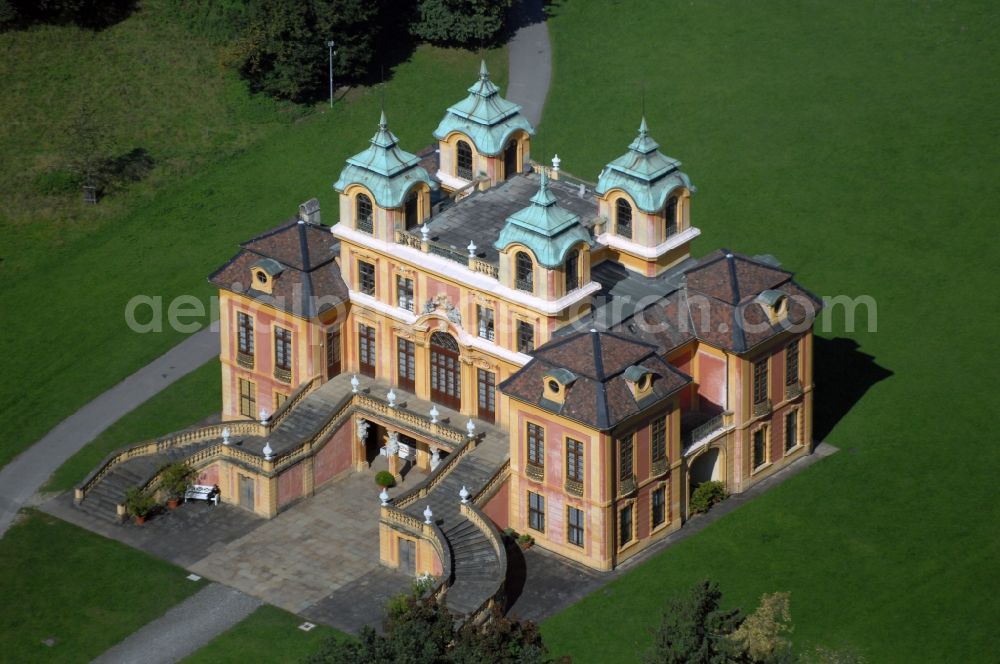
point(176, 479)
point(525, 540)
point(385, 479)
point(139, 504)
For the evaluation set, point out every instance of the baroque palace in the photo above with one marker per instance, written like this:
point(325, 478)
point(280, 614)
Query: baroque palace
point(544, 349)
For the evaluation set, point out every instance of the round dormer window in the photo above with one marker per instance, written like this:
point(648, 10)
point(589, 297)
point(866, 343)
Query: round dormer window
point(645, 382)
point(553, 386)
point(262, 277)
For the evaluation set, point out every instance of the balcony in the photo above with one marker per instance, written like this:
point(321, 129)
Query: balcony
point(698, 428)
point(284, 375)
point(793, 390)
point(574, 487)
point(245, 360)
point(659, 467)
point(762, 408)
point(535, 472)
point(626, 485)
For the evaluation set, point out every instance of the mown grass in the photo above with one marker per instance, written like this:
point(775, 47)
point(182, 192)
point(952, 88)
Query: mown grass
point(65, 338)
point(187, 401)
point(857, 142)
point(268, 633)
point(82, 590)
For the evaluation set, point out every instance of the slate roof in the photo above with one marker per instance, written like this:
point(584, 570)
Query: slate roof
point(599, 397)
point(484, 116)
point(481, 217)
point(310, 281)
point(717, 302)
point(385, 169)
point(646, 174)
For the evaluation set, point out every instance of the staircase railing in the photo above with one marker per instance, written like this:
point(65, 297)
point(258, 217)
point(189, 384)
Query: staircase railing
point(492, 534)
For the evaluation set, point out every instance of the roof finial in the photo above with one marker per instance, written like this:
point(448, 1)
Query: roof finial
point(383, 123)
point(643, 128)
point(484, 73)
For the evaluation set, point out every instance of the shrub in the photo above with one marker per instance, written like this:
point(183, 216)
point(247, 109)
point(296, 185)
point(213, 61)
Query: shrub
point(176, 479)
point(706, 495)
point(139, 502)
point(510, 533)
point(526, 539)
point(384, 478)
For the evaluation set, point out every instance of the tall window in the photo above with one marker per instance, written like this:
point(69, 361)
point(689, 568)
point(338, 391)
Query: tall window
point(671, 217)
point(573, 271)
point(411, 210)
point(759, 447)
point(536, 445)
point(658, 501)
point(525, 272)
point(791, 430)
point(363, 213)
point(248, 398)
point(405, 365)
point(244, 324)
point(760, 381)
point(525, 337)
point(792, 363)
point(332, 352)
point(366, 349)
point(658, 439)
point(536, 512)
point(404, 293)
point(623, 218)
point(625, 525)
point(282, 349)
point(486, 395)
point(366, 277)
point(574, 460)
point(463, 160)
point(625, 471)
point(485, 321)
point(574, 526)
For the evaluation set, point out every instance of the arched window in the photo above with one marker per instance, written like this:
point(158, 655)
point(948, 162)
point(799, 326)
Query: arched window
point(623, 218)
point(363, 213)
point(573, 270)
point(411, 210)
point(671, 217)
point(463, 160)
point(510, 168)
point(524, 272)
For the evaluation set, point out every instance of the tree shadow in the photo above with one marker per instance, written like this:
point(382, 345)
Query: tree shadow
point(527, 12)
point(843, 374)
point(93, 15)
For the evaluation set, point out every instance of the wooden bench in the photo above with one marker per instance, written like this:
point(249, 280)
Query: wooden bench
point(203, 492)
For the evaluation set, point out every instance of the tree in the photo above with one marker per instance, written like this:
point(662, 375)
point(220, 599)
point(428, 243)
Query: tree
point(471, 23)
point(694, 630)
point(759, 637)
point(421, 631)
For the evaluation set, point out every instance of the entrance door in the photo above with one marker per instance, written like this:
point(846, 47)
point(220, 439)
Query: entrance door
point(407, 556)
point(510, 160)
point(446, 379)
point(246, 492)
point(486, 389)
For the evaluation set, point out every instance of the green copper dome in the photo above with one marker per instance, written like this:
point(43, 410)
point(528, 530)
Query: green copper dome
point(384, 169)
point(644, 173)
point(548, 230)
point(484, 116)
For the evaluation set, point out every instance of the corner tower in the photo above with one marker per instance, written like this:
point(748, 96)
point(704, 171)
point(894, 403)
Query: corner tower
point(484, 134)
point(383, 188)
point(645, 200)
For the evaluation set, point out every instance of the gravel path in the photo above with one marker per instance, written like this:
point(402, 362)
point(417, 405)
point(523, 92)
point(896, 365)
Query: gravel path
point(22, 477)
point(184, 628)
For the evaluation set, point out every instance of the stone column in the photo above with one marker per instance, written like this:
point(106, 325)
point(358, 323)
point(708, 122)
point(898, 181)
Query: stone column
point(392, 448)
point(358, 449)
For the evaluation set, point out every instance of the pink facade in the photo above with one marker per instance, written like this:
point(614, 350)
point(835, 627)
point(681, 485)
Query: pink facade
point(498, 507)
point(290, 485)
point(334, 457)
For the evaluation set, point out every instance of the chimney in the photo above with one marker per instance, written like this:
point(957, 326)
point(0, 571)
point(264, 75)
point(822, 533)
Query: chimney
point(309, 211)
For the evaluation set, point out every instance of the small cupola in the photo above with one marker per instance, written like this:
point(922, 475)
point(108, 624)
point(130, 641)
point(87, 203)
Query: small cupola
point(639, 380)
point(555, 382)
point(774, 303)
point(263, 272)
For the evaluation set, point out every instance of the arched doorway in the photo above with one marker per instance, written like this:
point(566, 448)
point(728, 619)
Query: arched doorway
point(510, 160)
point(708, 466)
point(446, 378)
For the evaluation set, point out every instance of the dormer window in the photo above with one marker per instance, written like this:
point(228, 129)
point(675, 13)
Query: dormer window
point(774, 303)
point(524, 272)
point(623, 218)
point(555, 384)
point(261, 277)
point(639, 380)
point(670, 221)
point(463, 160)
point(363, 214)
point(264, 272)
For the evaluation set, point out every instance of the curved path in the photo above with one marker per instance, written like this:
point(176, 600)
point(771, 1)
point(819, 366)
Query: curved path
point(22, 477)
point(530, 70)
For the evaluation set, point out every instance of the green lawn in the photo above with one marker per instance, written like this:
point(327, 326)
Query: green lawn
point(268, 634)
point(65, 293)
point(86, 592)
point(858, 142)
point(191, 399)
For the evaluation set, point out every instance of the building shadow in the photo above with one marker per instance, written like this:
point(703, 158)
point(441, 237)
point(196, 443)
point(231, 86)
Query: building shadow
point(843, 374)
point(517, 572)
